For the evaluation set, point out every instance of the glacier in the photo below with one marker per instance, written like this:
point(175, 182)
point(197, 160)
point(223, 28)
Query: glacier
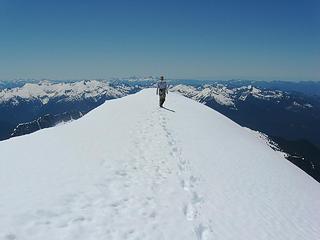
point(131, 170)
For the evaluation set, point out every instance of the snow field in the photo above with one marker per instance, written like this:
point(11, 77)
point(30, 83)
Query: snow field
point(130, 170)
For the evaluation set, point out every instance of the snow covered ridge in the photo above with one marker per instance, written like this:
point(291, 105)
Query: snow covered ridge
point(45, 91)
point(224, 95)
point(128, 172)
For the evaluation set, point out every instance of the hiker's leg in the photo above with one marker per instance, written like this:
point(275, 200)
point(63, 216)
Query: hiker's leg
point(161, 101)
point(160, 97)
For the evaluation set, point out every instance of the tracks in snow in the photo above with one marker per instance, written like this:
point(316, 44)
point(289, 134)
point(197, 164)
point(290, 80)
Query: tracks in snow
point(192, 209)
point(154, 163)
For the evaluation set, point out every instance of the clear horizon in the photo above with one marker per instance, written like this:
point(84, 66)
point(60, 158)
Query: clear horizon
point(265, 40)
point(175, 79)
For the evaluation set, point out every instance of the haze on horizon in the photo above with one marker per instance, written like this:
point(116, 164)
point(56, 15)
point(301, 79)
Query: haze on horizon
point(205, 39)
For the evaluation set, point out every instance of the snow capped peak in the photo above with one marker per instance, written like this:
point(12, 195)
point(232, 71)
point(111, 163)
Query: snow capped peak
point(187, 90)
point(131, 170)
point(44, 82)
point(46, 90)
point(138, 79)
point(219, 93)
point(224, 95)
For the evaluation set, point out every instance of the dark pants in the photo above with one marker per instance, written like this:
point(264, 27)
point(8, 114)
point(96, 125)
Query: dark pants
point(162, 96)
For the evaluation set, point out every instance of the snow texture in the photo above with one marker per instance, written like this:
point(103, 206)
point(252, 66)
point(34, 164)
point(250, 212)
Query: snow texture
point(132, 170)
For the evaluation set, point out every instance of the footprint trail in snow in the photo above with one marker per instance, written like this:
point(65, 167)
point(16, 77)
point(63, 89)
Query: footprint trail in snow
point(154, 162)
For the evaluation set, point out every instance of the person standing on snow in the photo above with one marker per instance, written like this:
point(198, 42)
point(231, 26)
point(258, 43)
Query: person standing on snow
point(162, 90)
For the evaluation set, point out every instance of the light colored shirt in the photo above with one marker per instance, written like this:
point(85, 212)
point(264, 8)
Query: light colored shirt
point(162, 85)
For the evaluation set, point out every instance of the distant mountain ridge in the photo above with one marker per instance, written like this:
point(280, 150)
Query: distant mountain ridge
point(235, 99)
point(45, 91)
point(24, 105)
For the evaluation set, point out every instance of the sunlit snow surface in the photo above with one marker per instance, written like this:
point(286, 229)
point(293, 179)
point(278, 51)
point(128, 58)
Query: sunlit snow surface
point(130, 170)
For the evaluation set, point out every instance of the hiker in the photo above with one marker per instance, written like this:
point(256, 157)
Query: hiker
point(162, 90)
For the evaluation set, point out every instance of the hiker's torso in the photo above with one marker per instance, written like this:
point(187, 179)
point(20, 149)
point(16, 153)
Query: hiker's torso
point(162, 85)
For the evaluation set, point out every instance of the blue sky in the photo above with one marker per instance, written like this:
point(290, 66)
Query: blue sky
point(220, 39)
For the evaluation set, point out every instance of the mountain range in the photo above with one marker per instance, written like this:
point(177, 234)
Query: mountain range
point(288, 117)
point(31, 106)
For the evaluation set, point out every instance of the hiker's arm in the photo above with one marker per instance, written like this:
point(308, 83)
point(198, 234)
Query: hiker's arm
point(157, 91)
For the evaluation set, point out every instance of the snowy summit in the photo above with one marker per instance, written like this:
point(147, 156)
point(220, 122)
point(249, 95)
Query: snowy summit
point(131, 170)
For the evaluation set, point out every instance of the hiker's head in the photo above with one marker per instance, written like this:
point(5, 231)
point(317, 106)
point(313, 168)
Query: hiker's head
point(161, 78)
